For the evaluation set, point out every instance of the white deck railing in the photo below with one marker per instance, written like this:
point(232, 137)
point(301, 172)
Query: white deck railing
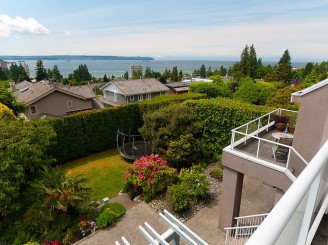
point(245, 227)
point(249, 133)
point(295, 218)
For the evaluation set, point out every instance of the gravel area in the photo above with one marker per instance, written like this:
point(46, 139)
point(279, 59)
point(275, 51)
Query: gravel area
point(159, 203)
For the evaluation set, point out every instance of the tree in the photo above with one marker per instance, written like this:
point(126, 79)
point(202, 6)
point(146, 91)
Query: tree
point(137, 75)
point(56, 195)
point(285, 59)
point(174, 76)
point(180, 75)
point(252, 62)
point(244, 62)
point(56, 74)
point(126, 75)
point(248, 91)
point(202, 71)
point(3, 74)
point(7, 98)
point(17, 73)
point(148, 73)
point(81, 75)
point(167, 124)
point(105, 79)
point(40, 71)
point(223, 71)
point(23, 151)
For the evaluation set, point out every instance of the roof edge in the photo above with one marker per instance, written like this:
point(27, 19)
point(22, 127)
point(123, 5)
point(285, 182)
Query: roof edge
point(309, 89)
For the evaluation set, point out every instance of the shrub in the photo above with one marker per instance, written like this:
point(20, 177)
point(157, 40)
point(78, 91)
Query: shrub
point(109, 214)
point(212, 90)
point(106, 218)
point(150, 175)
point(6, 113)
point(183, 152)
point(178, 197)
point(168, 124)
point(195, 182)
point(217, 173)
point(192, 186)
point(116, 207)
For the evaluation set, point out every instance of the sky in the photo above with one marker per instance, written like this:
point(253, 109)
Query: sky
point(211, 29)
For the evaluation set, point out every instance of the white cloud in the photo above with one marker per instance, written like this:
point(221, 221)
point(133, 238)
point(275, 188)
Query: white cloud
point(19, 25)
point(68, 33)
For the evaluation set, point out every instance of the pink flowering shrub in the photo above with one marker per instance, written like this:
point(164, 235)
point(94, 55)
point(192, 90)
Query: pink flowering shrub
point(149, 176)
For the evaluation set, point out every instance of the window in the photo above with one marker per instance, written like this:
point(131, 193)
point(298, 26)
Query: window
point(33, 109)
point(140, 97)
point(148, 96)
point(69, 104)
point(131, 98)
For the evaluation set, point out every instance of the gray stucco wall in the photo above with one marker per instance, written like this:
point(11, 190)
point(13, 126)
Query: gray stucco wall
point(56, 104)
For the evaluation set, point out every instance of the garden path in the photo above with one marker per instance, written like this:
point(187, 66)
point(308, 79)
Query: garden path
point(204, 223)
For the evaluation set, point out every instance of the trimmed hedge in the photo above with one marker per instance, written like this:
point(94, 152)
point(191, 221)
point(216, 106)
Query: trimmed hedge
point(164, 100)
point(92, 131)
point(219, 117)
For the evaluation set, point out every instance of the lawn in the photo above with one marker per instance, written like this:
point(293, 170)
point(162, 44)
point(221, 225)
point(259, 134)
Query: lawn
point(104, 172)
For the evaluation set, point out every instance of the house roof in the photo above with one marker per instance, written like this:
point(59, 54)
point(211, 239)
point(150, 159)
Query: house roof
point(30, 92)
point(309, 89)
point(138, 86)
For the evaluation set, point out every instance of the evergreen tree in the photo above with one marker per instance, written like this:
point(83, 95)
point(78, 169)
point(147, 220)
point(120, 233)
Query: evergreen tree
point(148, 72)
point(180, 75)
point(174, 76)
point(56, 74)
point(244, 62)
point(105, 79)
point(81, 74)
point(126, 75)
point(3, 74)
point(285, 59)
point(223, 71)
point(284, 68)
point(202, 71)
point(40, 71)
point(252, 62)
point(307, 69)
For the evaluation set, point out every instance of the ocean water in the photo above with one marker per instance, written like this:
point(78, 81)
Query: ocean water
point(98, 68)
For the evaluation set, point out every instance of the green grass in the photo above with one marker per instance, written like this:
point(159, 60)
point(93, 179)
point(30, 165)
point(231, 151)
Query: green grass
point(104, 172)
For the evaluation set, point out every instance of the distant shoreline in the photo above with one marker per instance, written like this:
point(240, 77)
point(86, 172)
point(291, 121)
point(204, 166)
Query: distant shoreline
point(73, 57)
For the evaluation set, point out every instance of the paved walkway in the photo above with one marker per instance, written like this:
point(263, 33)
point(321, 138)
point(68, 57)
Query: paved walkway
point(256, 198)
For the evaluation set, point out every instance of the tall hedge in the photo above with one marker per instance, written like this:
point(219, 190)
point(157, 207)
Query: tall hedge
point(219, 117)
point(164, 100)
point(92, 131)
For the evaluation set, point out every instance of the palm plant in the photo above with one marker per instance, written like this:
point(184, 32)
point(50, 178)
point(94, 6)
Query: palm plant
point(57, 195)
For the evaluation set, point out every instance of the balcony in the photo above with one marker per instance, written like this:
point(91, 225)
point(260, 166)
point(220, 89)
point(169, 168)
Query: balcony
point(256, 141)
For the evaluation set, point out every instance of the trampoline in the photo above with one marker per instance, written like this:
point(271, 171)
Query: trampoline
point(132, 147)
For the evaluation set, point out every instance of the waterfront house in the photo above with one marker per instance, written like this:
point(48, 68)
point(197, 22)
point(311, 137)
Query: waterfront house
point(129, 91)
point(47, 99)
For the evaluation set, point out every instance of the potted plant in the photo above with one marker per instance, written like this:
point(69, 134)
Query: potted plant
point(280, 122)
point(291, 125)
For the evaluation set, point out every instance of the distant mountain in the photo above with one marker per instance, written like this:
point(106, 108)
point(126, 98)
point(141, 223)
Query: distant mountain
point(73, 57)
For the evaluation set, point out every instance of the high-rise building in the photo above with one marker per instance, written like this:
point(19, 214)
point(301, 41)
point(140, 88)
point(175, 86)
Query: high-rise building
point(135, 68)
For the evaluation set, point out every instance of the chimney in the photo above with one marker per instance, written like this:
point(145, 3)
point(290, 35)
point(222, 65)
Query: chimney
point(13, 86)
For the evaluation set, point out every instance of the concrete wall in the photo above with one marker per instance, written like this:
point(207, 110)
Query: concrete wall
point(267, 175)
point(56, 104)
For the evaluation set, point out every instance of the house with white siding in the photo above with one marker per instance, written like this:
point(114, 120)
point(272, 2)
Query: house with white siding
point(129, 91)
